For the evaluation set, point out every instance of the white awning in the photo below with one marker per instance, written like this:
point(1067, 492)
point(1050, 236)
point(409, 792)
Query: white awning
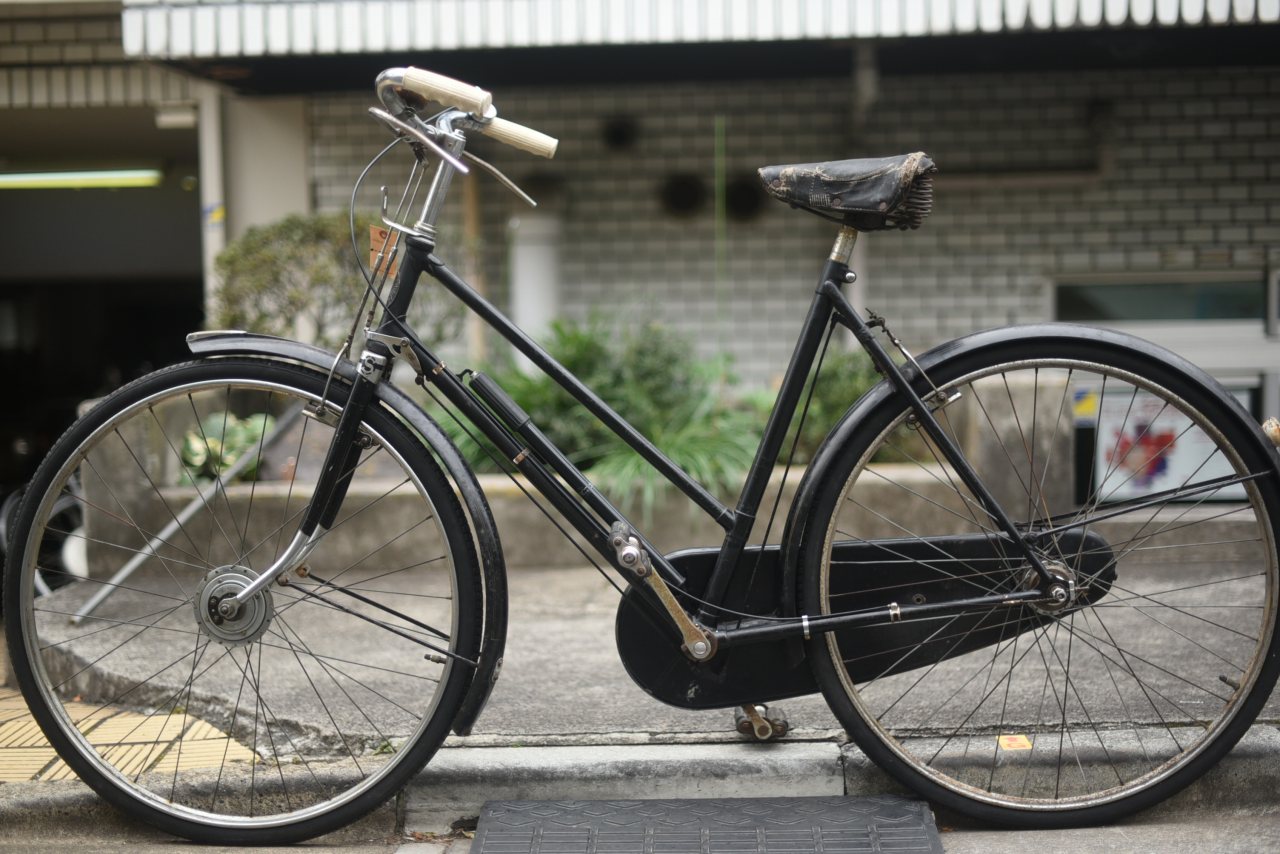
point(178, 29)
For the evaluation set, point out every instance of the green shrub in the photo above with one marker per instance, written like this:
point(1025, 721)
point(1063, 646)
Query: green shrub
point(651, 377)
point(220, 441)
point(845, 377)
point(298, 278)
point(685, 406)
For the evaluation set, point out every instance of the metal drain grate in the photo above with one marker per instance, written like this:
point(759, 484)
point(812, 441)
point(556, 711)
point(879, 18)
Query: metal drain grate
point(833, 825)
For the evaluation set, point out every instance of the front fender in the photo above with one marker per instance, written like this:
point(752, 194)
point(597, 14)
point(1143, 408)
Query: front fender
point(936, 360)
point(483, 528)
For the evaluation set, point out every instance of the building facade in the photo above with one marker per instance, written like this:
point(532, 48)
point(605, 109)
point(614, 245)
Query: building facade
point(1109, 161)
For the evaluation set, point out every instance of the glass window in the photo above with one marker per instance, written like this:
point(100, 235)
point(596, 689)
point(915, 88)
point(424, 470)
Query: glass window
point(1161, 301)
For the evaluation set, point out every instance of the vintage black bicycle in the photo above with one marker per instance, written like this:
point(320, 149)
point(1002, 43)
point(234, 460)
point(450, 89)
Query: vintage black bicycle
point(1033, 571)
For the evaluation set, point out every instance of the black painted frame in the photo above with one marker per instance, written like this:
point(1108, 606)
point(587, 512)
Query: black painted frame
point(582, 505)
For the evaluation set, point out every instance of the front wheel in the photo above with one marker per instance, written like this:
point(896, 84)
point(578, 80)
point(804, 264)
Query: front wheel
point(1155, 500)
point(329, 689)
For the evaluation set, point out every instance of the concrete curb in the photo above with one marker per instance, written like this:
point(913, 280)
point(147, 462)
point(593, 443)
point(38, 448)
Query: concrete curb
point(70, 811)
point(1247, 779)
point(63, 810)
point(460, 779)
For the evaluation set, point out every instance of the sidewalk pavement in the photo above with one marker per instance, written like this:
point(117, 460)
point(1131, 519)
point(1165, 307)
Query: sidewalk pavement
point(574, 726)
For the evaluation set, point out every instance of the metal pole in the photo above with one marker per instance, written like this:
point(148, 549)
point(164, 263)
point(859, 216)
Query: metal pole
point(282, 424)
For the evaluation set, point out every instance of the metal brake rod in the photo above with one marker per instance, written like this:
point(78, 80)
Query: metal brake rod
point(805, 626)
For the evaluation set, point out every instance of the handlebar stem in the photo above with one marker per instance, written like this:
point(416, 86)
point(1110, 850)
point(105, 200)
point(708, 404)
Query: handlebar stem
point(453, 142)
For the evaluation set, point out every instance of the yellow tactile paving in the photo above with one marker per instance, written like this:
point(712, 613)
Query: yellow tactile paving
point(24, 763)
point(12, 706)
point(21, 733)
point(210, 753)
point(87, 716)
point(58, 771)
point(130, 728)
point(131, 741)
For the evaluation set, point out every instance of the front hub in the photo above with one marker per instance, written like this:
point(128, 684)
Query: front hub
point(218, 614)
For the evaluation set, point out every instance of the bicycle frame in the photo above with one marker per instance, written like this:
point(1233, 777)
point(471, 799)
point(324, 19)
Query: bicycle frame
point(604, 527)
point(590, 513)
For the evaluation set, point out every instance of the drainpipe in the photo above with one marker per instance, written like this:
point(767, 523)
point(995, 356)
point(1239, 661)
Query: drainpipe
point(213, 210)
point(535, 274)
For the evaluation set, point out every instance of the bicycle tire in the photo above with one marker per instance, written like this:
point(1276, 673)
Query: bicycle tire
point(1023, 715)
point(327, 693)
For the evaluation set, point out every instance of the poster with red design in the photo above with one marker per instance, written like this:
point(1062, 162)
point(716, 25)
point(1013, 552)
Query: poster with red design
point(1144, 446)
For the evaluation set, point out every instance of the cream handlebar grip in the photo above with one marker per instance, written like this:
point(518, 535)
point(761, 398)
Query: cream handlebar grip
point(521, 137)
point(447, 91)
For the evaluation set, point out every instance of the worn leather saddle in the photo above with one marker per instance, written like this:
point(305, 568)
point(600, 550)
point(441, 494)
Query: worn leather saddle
point(871, 194)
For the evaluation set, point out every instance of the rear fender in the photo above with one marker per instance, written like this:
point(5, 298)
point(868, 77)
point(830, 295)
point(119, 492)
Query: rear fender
point(483, 528)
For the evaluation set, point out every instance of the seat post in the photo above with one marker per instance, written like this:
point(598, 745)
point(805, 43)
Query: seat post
point(842, 251)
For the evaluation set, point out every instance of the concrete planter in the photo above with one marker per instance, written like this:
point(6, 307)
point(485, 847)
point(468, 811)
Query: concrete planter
point(529, 539)
point(899, 490)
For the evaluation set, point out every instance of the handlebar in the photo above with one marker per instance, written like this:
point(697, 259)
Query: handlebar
point(447, 91)
point(430, 86)
point(519, 136)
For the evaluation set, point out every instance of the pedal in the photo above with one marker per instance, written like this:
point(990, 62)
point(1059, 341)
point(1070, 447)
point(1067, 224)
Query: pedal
point(760, 721)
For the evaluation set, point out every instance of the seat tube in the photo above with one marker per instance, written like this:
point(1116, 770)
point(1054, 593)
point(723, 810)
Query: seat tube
point(775, 431)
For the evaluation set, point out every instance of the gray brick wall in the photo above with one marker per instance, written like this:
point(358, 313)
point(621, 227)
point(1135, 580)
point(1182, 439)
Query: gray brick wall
point(1192, 183)
point(81, 34)
point(1191, 187)
point(71, 56)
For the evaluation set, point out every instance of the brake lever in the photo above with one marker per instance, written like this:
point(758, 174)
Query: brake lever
point(418, 136)
point(502, 179)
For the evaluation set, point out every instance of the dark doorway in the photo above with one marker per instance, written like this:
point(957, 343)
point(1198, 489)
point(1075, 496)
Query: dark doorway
point(97, 285)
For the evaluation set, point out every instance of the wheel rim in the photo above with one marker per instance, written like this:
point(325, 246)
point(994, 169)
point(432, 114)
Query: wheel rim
point(317, 704)
point(1111, 697)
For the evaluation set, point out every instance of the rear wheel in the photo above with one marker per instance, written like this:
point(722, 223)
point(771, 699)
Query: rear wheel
point(1154, 498)
point(324, 694)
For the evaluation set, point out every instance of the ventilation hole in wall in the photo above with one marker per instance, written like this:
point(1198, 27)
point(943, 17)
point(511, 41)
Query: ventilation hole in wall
point(544, 187)
point(744, 197)
point(683, 194)
point(620, 133)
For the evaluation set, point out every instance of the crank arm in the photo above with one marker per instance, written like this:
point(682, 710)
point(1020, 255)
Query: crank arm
point(699, 644)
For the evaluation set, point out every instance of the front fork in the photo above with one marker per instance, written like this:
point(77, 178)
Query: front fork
point(345, 446)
